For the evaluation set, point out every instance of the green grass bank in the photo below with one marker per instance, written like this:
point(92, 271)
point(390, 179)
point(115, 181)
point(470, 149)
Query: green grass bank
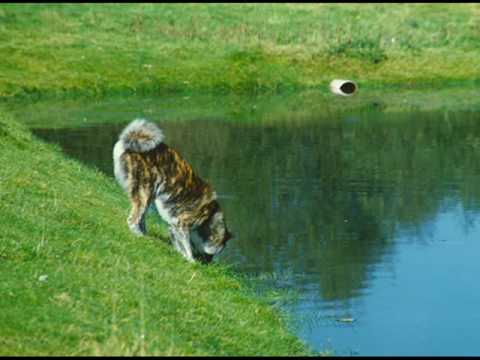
point(102, 49)
point(76, 282)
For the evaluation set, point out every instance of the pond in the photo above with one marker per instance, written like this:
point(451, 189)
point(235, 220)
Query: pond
point(368, 209)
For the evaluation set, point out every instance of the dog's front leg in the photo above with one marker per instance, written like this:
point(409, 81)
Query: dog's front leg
point(180, 237)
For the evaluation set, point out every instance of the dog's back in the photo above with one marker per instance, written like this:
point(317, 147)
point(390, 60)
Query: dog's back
point(145, 164)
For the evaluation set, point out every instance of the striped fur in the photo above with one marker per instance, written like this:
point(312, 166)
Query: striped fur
point(152, 172)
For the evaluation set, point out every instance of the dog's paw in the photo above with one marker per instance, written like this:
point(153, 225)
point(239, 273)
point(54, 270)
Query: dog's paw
point(136, 230)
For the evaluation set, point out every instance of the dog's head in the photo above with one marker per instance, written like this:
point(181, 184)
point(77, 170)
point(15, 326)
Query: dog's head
point(214, 235)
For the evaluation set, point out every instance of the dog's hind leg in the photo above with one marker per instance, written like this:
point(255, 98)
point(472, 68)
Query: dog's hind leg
point(136, 220)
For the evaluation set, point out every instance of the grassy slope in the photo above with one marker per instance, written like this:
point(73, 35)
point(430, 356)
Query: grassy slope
point(107, 292)
point(108, 48)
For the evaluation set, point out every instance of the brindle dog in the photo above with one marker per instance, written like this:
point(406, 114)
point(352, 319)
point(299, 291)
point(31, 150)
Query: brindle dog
point(152, 172)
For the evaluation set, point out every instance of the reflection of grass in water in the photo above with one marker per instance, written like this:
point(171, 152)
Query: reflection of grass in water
point(271, 286)
point(293, 107)
point(279, 289)
point(315, 319)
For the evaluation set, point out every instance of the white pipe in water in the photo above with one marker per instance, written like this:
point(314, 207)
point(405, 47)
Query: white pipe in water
point(343, 87)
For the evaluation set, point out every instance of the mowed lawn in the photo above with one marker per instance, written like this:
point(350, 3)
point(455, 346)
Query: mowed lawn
point(97, 49)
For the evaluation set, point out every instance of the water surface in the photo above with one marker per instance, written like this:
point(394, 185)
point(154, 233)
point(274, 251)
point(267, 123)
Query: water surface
point(371, 214)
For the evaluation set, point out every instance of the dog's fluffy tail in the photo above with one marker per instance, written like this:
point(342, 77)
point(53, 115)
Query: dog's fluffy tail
point(141, 136)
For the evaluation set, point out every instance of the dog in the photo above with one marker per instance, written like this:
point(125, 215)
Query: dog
point(151, 172)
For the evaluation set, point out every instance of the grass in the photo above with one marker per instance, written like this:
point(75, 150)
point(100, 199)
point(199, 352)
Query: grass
point(76, 282)
point(99, 49)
